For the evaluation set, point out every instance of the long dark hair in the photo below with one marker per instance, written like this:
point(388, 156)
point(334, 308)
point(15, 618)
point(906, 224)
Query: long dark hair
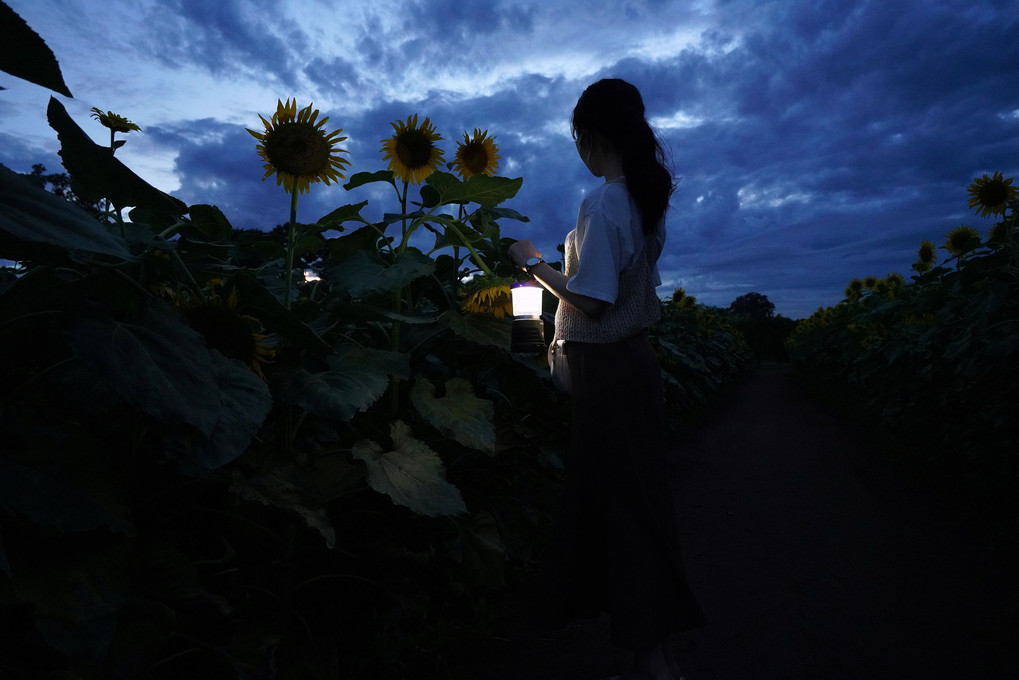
point(614, 109)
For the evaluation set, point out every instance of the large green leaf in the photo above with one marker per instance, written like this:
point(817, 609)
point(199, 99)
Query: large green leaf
point(459, 414)
point(483, 189)
point(356, 378)
point(483, 329)
point(346, 213)
point(158, 364)
point(256, 299)
point(364, 238)
point(30, 213)
point(480, 549)
point(208, 223)
point(361, 178)
point(75, 499)
point(77, 596)
point(289, 488)
point(411, 474)
point(362, 273)
point(244, 402)
point(100, 173)
point(25, 55)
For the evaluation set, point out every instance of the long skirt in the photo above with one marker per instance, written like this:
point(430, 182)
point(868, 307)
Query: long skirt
point(615, 544)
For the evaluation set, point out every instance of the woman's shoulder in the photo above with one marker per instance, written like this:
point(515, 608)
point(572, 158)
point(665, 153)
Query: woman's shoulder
point(608, 196)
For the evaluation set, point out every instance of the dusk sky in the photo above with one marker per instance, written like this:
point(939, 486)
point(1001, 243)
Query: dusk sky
point(813, 141)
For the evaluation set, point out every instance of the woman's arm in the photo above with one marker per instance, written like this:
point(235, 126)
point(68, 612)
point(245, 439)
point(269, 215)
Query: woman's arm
point(555, 281)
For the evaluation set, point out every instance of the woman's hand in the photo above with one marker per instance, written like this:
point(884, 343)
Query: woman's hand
point(521, 251)
point(555, 281)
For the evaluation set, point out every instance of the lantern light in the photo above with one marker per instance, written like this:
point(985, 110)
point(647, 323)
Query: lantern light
point(528, 333)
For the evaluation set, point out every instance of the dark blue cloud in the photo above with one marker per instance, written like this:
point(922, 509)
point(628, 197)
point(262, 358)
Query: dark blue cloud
point(226, 37)
point(813, 141)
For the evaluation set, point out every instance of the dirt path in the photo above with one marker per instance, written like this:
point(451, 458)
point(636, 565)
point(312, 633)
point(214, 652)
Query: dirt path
point(814, 558)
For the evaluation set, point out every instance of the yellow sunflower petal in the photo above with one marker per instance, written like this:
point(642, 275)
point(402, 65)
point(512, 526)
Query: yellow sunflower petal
point(411, 151)
point(297, 150)
point(477, 155)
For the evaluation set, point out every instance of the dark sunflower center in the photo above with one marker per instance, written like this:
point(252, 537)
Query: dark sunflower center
point(475, 158)
point(414, 148)
point(992, 194)
point(297, 149)
point(926, 254)
point(224, 330)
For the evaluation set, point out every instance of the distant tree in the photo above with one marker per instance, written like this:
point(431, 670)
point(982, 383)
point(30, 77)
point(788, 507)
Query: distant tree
point(754, 315)
point(753, 305)
point(59, 184)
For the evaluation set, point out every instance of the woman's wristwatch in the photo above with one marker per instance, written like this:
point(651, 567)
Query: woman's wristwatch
point(531, 263)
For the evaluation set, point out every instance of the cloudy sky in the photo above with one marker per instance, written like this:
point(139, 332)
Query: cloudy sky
point(813, 140)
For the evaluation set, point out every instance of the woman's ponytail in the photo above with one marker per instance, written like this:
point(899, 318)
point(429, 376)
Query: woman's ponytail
point(614, 109)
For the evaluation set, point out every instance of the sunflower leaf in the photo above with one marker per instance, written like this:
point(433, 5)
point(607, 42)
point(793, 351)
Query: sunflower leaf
point(343, 214)
point(363, 238)
point(483, 189)
point(208, 223)
point(362, 274)
point(459, 414)
point(270, 311)
point(77, 599)
point(287, 487)
point(482, 329)
point(158, 364)
point(54, 495)
point(480, 548)
point(507, 213)
point(32, 214)
point(356, 378)
point(411, 474)
point(359, 179)
point(25, 55)
point(96, 169)
point(244, 402)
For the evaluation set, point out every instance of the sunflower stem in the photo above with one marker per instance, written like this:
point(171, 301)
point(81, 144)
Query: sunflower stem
point(456, 254)
point(175, 256)
point(291, 237)
point(398, 303)
point(171, 230)
point(474, 254)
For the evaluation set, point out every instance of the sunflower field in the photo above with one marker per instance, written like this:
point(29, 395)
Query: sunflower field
point(299, 453)
point(934, 361)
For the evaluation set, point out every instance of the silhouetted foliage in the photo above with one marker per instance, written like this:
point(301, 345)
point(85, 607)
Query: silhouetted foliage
point(754, 305)
point(59, 184)
point(753, 314)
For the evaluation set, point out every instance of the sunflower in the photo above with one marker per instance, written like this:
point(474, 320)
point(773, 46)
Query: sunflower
point(297, 148)
point(870, 282)
point(234, 335)
point(113, 121)
point(991, 195)
point(411, 151)
point(926, 257)
point(477, 155)
point(489, 295)
point(961, 240)
point(999, 232)
point(895, 280)
point(854, 290)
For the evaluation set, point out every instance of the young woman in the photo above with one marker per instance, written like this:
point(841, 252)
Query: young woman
point(616, 548)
